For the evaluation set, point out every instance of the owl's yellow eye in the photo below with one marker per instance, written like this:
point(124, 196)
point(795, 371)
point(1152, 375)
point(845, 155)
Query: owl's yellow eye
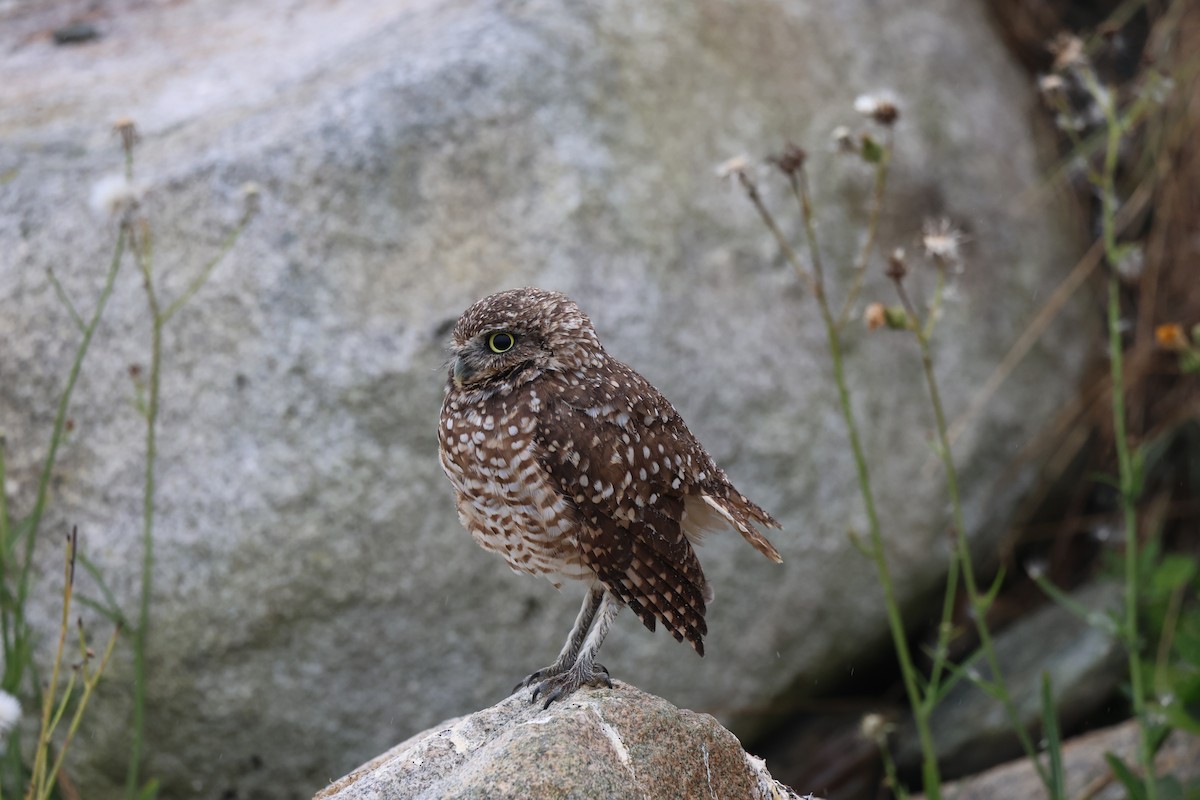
point(501, 342)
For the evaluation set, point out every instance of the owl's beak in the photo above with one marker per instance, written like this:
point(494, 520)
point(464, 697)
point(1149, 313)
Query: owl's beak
point(460, 372)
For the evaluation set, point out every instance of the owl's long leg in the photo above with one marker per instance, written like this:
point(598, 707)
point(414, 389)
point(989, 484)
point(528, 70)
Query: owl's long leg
point(585, 670)
point(579, 631)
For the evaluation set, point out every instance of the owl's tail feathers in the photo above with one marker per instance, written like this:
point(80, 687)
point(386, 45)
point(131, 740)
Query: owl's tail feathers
point(742, 515)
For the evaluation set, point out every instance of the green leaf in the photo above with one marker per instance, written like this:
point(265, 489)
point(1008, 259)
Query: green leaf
point(1169, 788)
point(995, 588)
point(110, 608)
point(149, 790)
point(872, 151)
point(1137, 478)
point(108, 612)
point(1121, 251)
point(1132, 783)
point(1057, 785)
point(1180, 719)
point(1173, 573)
point(958, 672)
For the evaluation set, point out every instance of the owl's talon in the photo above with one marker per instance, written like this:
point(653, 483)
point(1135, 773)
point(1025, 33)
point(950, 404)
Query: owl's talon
point(564, 684)
point(538, 676)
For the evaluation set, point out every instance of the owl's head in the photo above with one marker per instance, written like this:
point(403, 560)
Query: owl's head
point(514, 336)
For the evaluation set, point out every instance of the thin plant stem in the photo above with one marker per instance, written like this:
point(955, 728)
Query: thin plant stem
point(202, 277)
point(1129, 512)
point(60, 418)
point(1115, 128)
point(1166, 640)
point(5, 533)
point(65, 300)
point(89, 684)
point(891, 780)
point(930, 777)
point(876, 212)
point(799, 182)
point(37, 782)
point(941, 650)
point(929, 769)
point(785, 246)
point(935, 307)
point(142, 253)
point(1056, 302)
point(962, 546)
point(159, 317)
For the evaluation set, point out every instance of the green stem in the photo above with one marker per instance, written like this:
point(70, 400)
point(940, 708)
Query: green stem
point(799, 182)
point(37, 784)
point(202, 277)
point(941, 650)
point(4, 529)
point(1129, 512)
point(1115, 128)
point(789, 253)
point(88, 685)
point(65, 300)
point(962, 547)
point(60, 419)
point(132, 779)
point(929, 768)
point(864, 257)
point(931, 779)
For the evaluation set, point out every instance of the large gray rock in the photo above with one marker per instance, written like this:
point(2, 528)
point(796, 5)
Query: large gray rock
point(619, 744)
point(315, 598)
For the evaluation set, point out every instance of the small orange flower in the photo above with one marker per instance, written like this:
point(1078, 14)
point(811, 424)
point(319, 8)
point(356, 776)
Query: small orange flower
point(1170, 337)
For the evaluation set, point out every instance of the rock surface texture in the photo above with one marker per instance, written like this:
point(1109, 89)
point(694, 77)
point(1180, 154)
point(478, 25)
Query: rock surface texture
point(315, 598)
point(613, 743)
point(1086, 771)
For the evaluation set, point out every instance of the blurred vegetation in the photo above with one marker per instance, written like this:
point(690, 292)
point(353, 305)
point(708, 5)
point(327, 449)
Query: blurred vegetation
point(1119, 493)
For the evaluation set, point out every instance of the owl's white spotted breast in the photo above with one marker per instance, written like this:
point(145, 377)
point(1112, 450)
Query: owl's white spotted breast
point(505, 498)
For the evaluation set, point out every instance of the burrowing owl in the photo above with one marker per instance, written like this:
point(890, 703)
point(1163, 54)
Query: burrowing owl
point(571, 465)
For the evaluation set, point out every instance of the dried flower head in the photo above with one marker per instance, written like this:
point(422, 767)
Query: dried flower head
point(879, 106)
point(251, 196)
point(116, 196)
point(897, 267)
point(875, 728)
point(1036, 568)
point(1053, 90)
point(738, 165)
point(1068, 52)
point(843, 139)
point(791, 160)
point(942, 241)
point(894, 318)
point(875, 316)
point(127, 130)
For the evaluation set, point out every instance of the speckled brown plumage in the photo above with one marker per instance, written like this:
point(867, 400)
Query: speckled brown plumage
point(570, 465)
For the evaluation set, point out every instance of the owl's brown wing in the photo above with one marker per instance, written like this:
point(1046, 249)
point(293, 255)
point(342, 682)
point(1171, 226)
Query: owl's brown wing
point(619, 450)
